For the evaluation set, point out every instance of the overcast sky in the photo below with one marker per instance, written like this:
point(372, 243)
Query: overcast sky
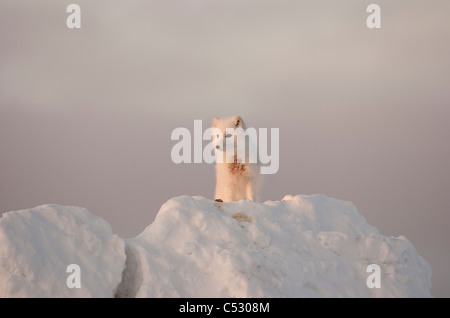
point(86, 115)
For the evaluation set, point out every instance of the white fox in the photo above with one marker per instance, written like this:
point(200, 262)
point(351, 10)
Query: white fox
point(238, 178)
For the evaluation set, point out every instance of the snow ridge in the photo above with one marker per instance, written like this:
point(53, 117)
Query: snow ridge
point(301, 246)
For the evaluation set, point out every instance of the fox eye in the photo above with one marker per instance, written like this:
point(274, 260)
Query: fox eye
point(217, 135)
point(227, 135)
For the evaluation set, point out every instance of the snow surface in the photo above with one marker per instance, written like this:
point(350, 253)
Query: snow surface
point(302, 246)
point(37, 245)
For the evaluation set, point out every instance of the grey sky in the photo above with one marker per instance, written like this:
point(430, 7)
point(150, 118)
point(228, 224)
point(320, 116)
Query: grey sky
point(86, 115)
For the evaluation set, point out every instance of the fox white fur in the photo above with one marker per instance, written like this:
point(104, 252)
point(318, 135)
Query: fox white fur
point(239, 179)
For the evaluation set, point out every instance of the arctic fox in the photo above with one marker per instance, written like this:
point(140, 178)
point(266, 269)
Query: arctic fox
point(238, 177)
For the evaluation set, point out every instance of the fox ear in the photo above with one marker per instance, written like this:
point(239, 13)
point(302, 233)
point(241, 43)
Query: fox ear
point(214, 121)
point(238, 122)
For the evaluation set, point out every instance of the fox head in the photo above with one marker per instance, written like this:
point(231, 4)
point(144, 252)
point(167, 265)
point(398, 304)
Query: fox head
point(223, 134)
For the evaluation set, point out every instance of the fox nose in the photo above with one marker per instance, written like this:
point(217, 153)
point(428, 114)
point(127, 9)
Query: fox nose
point(217, 147)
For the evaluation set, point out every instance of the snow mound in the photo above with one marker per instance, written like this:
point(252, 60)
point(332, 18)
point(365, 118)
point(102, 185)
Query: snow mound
point(37, 246)
point(302, 246)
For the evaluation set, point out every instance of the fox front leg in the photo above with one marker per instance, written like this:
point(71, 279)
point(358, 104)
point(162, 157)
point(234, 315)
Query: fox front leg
point(250, 191)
